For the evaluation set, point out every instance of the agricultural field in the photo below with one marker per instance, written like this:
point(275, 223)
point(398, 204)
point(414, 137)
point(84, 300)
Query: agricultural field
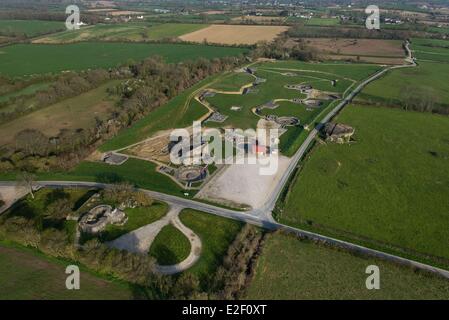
point(137, 217)
point(29, 28)
point(323, 22)
point(26, 274)
point(234, 34)
point(138, 32)
point(428, 79)
point(289, 268)
point(381, 190)
point(368, 50)
point(431, 50)
point(73, 113)
point(28, 59)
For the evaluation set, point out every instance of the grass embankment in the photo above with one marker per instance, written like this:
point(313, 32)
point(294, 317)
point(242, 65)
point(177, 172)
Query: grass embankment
point(27, 59)
point(26, 274)
point(389, 188)
point(170, 246)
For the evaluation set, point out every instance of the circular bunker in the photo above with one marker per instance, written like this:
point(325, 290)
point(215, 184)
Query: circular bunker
point(287, 121)
point(191, 173)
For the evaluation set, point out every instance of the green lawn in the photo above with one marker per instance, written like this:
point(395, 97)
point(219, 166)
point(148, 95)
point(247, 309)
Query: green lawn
point(123, 32)
point(137, 217)
point(30, 28)
point(170, 246)
point(27, 275)
point(26, 59)
point(388, 189)
point(73, 113)
point(216, 234)
point(292, 269)
point(139, 172)
point(431, 49)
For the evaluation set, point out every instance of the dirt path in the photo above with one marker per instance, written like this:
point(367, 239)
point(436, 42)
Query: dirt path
point(140, 240)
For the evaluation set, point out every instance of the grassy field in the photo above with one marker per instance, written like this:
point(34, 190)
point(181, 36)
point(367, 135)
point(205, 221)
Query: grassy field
point(30, 28)
point(388, 189)
point(292, 269)
point(28, 275)
point(429, 77)
point(170, 246)
point(235, 34)
point(73, 113)
point(431, 50)
point(216, 235)
point(26, 59)
point(123, 32)
point(320, 76)
point(137, 217)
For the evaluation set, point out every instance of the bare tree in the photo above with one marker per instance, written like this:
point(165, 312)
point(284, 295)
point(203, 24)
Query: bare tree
point(27, 180)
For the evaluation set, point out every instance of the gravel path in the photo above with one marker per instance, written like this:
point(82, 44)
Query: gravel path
point(140, 240)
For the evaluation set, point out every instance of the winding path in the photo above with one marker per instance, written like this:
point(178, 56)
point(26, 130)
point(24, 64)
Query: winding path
point(140, 240)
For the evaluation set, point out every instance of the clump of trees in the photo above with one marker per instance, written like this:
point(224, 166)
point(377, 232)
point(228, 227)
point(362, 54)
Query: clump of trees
point(284, 48)
point(124, 194)
point(233, 277)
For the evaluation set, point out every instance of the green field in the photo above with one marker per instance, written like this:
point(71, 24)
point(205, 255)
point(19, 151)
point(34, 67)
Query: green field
point(30, 28)
point(323, 22)
point(137, 217)
point(28, 275)
point(216, 234)
point(292, 269)
point(320, 76)
point(170, 246)
point(31, 89)
point(387, 189)
point(26, 59)
point(431, 50)
point(73, 113)
point(123, 32)
point(428, 77)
